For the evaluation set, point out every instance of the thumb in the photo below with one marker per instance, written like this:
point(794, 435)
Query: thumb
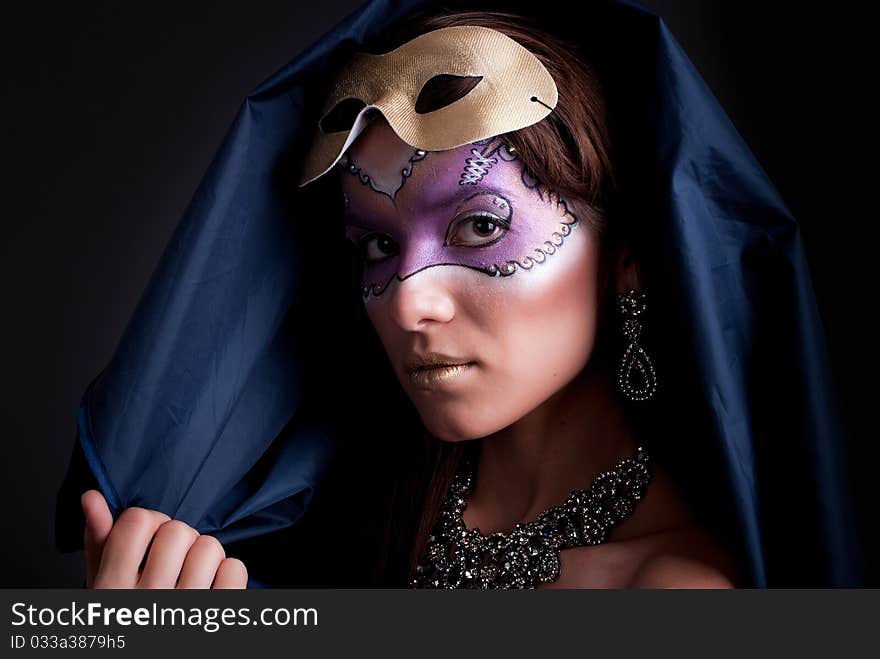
point(99, 521)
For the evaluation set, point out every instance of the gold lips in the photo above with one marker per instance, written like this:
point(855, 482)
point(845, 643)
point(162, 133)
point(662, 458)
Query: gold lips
point(438, 374)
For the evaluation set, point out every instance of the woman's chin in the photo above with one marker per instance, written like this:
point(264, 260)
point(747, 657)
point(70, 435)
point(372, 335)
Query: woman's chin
point(459, 425)
point(450, 428)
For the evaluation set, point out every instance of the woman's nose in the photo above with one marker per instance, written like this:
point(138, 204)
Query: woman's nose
point(421, 298)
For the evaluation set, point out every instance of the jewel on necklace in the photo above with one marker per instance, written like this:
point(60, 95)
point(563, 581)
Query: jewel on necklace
point(458, 557)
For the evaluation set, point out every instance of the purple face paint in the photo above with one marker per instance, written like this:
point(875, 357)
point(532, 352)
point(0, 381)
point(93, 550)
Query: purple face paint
point(473, 207)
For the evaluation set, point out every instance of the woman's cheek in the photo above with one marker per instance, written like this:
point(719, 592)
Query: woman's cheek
point(546, 323)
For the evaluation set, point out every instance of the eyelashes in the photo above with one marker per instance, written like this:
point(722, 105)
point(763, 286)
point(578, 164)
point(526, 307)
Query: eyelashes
point(477, 230)
point(377, 247)
point(484, 228)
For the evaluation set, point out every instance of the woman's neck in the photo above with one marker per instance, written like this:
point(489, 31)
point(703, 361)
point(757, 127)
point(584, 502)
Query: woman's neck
point(560, 446)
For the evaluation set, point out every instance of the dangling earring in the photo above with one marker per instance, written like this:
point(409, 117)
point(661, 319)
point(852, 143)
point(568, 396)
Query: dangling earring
point(631, 305)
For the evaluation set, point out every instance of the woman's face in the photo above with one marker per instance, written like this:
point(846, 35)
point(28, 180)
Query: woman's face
point(466, 256)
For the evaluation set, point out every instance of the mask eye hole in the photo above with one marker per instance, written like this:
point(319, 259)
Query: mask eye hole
point(444, 89)
point(342, 116)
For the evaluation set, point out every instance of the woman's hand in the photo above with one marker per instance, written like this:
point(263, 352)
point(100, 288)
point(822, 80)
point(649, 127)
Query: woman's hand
point(179, 556)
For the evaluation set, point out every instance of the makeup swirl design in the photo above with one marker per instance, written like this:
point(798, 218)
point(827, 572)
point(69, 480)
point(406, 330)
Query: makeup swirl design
point(388, 188)
point(564, 219)
point(539, 254)
point(489, 214)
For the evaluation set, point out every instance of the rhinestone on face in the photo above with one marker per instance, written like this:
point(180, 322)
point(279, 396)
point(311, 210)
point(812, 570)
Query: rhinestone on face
point(458, 557)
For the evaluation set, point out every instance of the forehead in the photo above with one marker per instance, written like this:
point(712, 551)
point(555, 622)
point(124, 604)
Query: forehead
point(386, 173)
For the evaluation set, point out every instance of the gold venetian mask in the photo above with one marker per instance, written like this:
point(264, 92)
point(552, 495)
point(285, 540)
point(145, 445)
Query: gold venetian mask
point(509, 89)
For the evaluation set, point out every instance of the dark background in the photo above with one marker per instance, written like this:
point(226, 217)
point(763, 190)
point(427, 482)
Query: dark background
point(111, 112)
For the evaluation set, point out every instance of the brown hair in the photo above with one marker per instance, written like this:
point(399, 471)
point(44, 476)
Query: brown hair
point(570, 152)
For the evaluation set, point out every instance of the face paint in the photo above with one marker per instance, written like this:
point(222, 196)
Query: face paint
point(477, 166)
point(474, 207)
point(438, 256)
point(390, 177)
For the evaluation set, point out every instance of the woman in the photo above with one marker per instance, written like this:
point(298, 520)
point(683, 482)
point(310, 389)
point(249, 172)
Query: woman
point(549, 247)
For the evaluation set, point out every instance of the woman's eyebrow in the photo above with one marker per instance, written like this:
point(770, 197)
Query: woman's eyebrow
point(439, 198)
point(445, 196)
point(462, 197)
point(367, 222)
point(356, 225)
point(468, 192)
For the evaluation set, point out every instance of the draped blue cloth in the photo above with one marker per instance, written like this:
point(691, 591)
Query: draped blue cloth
point(248, 362)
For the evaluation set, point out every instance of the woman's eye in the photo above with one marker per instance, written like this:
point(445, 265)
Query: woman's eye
point(477, 231)
point(377, 247)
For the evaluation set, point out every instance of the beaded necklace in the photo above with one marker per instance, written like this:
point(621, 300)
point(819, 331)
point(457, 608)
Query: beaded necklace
point(458, 557)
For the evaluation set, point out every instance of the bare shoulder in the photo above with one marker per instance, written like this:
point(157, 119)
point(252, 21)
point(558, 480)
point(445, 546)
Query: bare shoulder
point(676, 551)
point(677, 571)
point(695, 560)
point(661, 545)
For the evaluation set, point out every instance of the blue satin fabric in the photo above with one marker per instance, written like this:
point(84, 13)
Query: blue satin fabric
point(248, 362)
